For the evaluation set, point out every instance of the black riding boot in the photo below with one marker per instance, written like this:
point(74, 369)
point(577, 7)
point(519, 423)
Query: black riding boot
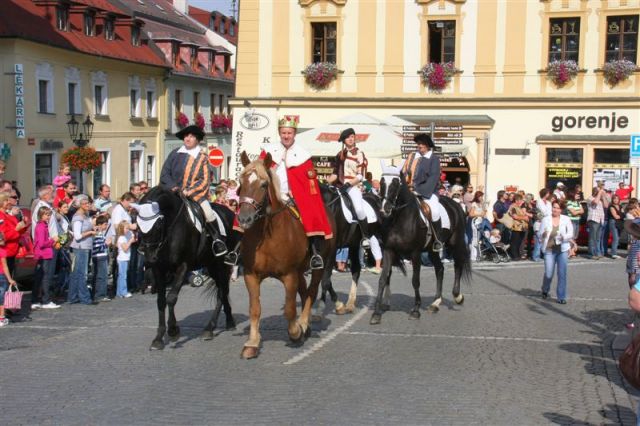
point(316, 261)
point(218, 246)
point(364, 229)
point(438, 242)
point(232, 257)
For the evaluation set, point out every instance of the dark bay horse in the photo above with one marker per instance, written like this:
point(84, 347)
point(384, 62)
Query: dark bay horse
point(172, 248)
point(347, 235)
point(274, 245)
point(405, 234)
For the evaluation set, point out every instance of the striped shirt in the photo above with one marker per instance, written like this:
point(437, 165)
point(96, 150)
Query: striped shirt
point(99, 245)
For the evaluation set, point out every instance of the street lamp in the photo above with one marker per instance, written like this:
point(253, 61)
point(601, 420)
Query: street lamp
point(87, 130)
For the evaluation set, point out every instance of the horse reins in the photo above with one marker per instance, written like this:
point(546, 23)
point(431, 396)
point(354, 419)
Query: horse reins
point(260, 207)
point(163, 236)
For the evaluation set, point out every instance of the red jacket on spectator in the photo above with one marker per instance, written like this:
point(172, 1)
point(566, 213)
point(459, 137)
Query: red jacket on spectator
point(11, 236)
point(624, 193)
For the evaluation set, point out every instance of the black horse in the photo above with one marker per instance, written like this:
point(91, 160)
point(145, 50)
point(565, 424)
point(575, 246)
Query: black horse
point(347, 235)
point(405, 235)
point(173, 247)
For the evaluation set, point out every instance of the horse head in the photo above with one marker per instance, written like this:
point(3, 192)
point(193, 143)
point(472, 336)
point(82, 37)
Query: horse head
point(257, 190)
point(390, 184)
point(154, 207)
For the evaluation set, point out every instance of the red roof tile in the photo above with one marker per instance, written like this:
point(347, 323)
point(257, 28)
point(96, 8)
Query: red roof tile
point(29, 21)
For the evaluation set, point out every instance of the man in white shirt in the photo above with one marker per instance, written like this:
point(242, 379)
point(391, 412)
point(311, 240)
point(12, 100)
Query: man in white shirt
point(45, 198)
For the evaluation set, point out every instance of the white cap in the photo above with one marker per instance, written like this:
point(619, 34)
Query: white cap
point(560, 185)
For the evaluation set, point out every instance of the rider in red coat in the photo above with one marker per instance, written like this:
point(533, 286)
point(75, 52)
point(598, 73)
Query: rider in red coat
point(298, 180)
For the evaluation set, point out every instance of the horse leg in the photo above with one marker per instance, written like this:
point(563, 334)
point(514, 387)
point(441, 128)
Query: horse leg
point(307, 304)
point(415, 281)
point(173, 331)
point(161, 300)
point(222, 275)
point(385, 275)
point(457, 294)
point(292, 286)
point(252, 346)
point(326, 287)
point(439, 268)
point(386, 297)
point(354, 253)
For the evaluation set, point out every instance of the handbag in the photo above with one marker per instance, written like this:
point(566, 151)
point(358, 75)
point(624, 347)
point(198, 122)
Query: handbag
point(629, 362)
point(13, 299)
point(506, 220)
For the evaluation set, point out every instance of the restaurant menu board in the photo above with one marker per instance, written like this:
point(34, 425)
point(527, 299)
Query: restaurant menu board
point(442, 135)
point(324, 166)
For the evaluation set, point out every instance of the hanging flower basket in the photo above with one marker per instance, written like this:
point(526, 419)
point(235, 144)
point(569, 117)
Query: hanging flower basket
point(320, 74)
point(617, 71)
point(85, 159)
point(217, 122)
point(436, 77)
point(562, 72)
point(227, 121)
point(182, 120)
point(198, 119)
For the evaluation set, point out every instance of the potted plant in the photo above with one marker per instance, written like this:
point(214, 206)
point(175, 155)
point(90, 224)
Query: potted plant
point(182, 120)
point(228, 122)
point(617, 70)
point(319, 75)
point(198, 119)
point(217, 122)
point(562, 72)
point(437, 76)
point(85, 159)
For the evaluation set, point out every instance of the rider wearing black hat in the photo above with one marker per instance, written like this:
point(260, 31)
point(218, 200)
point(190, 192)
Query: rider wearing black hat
point(351, 166)
point(422, 171)
point(186, 169)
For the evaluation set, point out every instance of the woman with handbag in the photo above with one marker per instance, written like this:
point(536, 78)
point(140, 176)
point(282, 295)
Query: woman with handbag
point(5, 280)
point(556, 234)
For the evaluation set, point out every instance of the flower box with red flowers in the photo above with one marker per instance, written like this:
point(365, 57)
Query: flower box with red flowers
point(319, 75)
point(437, 76)
point(562, 72)
point(182, 120)
point(85, 159)
point(198, 119)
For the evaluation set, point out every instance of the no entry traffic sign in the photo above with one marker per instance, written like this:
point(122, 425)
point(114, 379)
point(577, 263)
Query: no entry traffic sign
point(216, 157)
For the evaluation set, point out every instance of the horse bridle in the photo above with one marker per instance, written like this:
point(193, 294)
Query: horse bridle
point(395, 199)
point(261, 207)
point(163, 236)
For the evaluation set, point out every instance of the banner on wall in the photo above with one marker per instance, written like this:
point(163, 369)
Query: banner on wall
point(612, 177)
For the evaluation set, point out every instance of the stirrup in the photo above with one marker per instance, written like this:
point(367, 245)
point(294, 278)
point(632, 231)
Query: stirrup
point(365, 243)
point(231, 258)
point(219, 248)
point(316, 262)
point(437, 246)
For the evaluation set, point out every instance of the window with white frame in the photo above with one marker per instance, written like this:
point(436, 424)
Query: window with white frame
point(134, 96)
point(44, 82)
point(62, 17)
point(89, 24)
point(100, 93)
point(74, 97)
point(102, 174)
point(135, 165)
point(109, 28)
point(150, 86)
point(150, 170)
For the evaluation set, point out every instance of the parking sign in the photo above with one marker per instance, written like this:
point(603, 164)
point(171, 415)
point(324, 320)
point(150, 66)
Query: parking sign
point(634, 150)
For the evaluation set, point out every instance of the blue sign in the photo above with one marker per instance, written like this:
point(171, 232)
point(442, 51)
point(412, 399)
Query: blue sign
point(634, 150)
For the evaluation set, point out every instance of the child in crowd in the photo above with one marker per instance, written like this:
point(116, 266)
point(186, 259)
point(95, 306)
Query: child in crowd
point(64, 176)
point(100, 258)
point(124, 240)
point(232, 190)
point(5, 280)
point(45, 268)
point(495, 236)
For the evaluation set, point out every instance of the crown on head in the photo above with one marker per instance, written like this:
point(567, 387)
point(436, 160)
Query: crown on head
point(289, 121)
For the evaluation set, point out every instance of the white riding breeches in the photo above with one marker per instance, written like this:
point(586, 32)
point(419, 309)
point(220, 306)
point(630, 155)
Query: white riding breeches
point(376, 251)
point(438, 212)
point(209, 215)
point(356, 197)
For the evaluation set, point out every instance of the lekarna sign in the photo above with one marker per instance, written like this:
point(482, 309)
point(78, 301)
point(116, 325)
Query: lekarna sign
point(634, 150)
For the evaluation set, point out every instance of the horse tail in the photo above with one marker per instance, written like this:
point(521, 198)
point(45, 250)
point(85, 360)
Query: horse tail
point(458, 248)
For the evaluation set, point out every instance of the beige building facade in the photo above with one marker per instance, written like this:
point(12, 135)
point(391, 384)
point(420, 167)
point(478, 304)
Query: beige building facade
point(501, 121)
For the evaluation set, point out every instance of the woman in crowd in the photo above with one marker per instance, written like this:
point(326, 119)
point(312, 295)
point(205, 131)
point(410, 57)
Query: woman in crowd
point(62, 246)
point(46, 266)
point(574, 211)
point(477, 222)
point(616, 223)
point(519, 227)
point(556, 235)
point(82, 230)
point(5, 281)
point(12, 225)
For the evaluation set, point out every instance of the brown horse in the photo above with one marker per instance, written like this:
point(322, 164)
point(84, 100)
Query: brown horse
point(274, 245)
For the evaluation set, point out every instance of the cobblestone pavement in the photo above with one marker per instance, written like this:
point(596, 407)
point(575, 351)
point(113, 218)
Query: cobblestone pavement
point(505, 357)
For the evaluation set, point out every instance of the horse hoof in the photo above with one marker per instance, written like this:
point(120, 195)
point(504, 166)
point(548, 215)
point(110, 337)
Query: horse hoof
point(375, 319)
point(231, 325)
point(459, 300)
point(249, 352)
point(385, 307)
point(433, 309)
point(307, 333)
point(316, 318)
point(414, 315)
point(349, 309)
point(207, 335)
point(300, 336)
point(156, 345)
point(341, 310)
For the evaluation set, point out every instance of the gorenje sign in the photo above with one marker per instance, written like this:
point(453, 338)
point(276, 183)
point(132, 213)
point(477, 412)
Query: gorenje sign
point(605, 122)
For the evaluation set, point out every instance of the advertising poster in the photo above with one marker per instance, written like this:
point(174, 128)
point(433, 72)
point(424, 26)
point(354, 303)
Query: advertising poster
point(612, 177)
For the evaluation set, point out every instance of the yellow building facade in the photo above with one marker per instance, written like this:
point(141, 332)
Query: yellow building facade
point(501, 121)
point(125, 101)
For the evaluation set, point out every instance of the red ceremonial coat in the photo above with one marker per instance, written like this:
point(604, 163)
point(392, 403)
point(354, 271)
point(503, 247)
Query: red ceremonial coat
point(302, 182)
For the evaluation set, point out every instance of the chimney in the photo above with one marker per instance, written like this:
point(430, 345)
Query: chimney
point(181, 6)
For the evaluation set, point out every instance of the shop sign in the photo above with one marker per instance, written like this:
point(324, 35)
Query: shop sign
point(611, 177)
point(19, 93)
point(252, 120)
point(563, 173)
point(634, 150)
point(605, 122)
point(324, 166)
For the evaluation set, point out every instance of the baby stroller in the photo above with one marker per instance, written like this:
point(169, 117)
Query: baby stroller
point(496, 252)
